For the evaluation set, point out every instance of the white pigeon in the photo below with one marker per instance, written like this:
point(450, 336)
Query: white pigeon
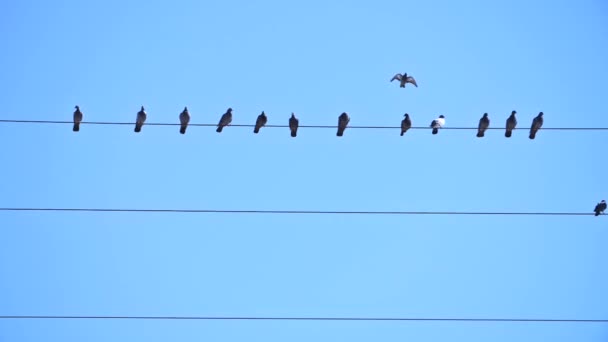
point(437, 124)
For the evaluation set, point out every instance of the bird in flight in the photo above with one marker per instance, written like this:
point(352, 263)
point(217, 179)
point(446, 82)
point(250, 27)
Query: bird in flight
point(77, 119)
point(403, 79)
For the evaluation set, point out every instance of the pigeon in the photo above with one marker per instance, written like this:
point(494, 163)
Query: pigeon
point(537, 123)
point(511, 123)
point(77, 119)
point(600, 207)
point(184, 119)
point(403, 79)
point(293, 125)
point(259, 122)
point(225, 120)
point(437, 124)
point(406, 123)
point(484, 123)
point(139, 121)
point(343, 121)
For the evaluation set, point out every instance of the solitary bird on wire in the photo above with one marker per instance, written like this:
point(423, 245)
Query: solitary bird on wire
point(437, 124)
point(139, 121)
point(184, 119)
point(600, 208)
point(484, 123)
point(77, 119)
point(511, 123)
point(259, 122)
point(225, 120)
point(406, 123)
point(403, 79)
point(537, 123)
point(293, 125)
point(343, 121)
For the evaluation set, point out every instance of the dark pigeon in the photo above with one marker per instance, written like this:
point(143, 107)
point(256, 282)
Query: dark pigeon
point(406, 123)
point(403, 79)
point(184, 119)
point(537, 123)
point(293, 125)
point(139, 121)
point(77, 119)
point(600, 208)
point(437, 124)
point(343, 121)
point(225, 120)
point(259, 122)
point(511, 124)
point(484, 123)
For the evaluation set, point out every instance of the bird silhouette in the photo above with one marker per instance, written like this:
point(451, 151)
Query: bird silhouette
point(260, 122)
point(403, 79)
point(484, 123)
point(293, 125)
point(600, 208)
point(511, 124)
point(184, 119)
point(406, 123)
point(139, 121)
point(225, 120)
point(437, 124)
point(537, 123)
point(77, 119)
point(343, 121)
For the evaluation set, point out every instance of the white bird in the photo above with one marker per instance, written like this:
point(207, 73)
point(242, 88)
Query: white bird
point(437, 124)
point(403, 79)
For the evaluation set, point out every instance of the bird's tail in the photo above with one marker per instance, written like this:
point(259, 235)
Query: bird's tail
point(294, 133)
point(402, 132)
point(532, 135)
point(182, 130)
point(137, 128)
point(219, 129)
point(597, 213)
point(480, 134)
point(340, 132)
point(435, 130)
point(256, 130)
point(508, 133)
point(76, 127)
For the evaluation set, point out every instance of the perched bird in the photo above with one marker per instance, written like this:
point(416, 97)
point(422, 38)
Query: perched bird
point(225, 120)
point(77, 119)
point(406, 123)
point(293, 125)
point(600, 207)
point(537, 123)
point(343, 121)
point(184, 119)
point(484, 123)
point(259, 122)
point(511, 123)
point(437, 124)
point(141, 118)
point(403, 79)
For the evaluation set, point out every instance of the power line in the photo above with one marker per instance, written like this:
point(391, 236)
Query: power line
point(300, 212)
point(244, 318)
point(287, 126)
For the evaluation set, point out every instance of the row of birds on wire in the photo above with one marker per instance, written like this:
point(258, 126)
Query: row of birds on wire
point(343, 120)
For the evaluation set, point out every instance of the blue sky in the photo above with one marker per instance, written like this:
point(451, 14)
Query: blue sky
point(316, 59)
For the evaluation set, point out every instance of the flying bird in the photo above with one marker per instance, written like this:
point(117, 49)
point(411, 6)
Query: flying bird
point(184, 119)
point(437, 124)
point(484, 123)
point(343, 121)
point(293, 125)
point(139, 121)
point(225, 120)
point(77, 119)
point(537, 123)
point(403, 79)
point(259, 122)
point(600, 208)
point(511, 123)
point(406, 123)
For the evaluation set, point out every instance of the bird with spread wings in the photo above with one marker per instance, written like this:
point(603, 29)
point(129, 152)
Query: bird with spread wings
point(403, 79)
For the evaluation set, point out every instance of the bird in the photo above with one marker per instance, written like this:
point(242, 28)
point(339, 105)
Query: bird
point(403, 79)
point(77, 119)
point(293, 125)
point(537, 123)
point(484, 123)
point(600, 207)
point(511, 123)
point(406, 123)
point(184, 119)
point(343, 121)
point(437, 124)
point(225, 120)
point(139, 121)
point(259, 122)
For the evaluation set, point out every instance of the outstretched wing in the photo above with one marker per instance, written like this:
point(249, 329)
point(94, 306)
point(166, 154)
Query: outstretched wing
point(396, 77)
point(411, 80)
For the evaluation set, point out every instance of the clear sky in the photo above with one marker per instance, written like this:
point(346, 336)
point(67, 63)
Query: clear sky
point(316, 59)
